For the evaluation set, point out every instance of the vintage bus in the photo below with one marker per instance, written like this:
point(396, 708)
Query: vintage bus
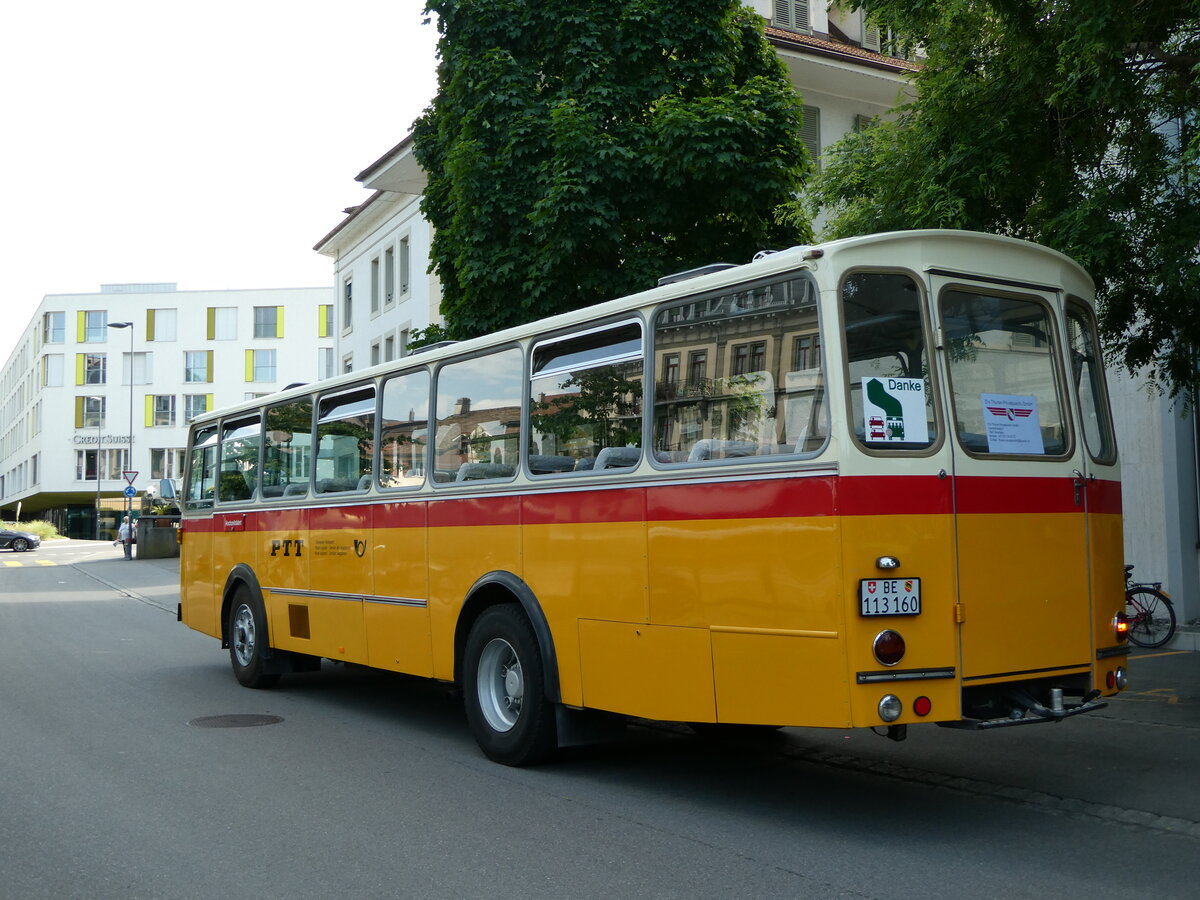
point(867, 483)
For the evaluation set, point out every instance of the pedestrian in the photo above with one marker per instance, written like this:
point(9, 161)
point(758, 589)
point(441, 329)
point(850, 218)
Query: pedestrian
point(125, 534)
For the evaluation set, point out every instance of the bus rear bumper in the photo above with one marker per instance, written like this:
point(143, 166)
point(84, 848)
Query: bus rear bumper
point(1024, 708)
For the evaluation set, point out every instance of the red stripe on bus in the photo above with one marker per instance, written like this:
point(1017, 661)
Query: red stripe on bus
point(980, 494)
point(475, 511)
point(894, 495)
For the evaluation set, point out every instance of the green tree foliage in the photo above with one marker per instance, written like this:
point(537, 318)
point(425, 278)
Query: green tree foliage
point(577, 150)
point(1069, 122)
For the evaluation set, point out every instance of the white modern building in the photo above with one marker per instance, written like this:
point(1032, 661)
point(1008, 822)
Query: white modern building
point(104, 384)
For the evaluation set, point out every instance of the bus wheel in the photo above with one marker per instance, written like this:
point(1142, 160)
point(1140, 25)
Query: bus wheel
point(247, 632)
point(504, 689)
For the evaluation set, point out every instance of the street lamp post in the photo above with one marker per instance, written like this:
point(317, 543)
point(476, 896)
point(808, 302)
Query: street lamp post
point(129, 457)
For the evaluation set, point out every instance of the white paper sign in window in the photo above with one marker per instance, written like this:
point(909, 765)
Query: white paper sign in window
point(894, 410)
point(1012, 423)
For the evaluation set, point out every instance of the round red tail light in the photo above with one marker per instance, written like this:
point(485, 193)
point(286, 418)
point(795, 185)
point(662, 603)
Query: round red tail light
point(922, 706)
point(888, 647)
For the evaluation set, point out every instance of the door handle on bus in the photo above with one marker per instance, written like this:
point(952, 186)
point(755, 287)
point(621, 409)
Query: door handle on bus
point(1079, 483)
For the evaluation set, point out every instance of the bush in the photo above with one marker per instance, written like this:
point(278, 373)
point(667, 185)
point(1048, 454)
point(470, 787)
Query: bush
point(45, 530)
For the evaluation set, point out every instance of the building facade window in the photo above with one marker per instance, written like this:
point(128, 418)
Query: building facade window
point(89, 412)
point(112, 464)
point(197, 366)
point(325, 363)
point(161, 325)
point(404, 267)
point(143, 368)
point(260, 365)
point(389, 348)
point(54, 327)
point(166, 462)
point(268, 321)
point(792, 15)
point(95, 368)
point(375, 286)
point(196, 404)
point(222, 323)
point(389, 276)
point(52, 370)
point(375, 351)
point(93, 326)
point(160, 410)
point(347, 305)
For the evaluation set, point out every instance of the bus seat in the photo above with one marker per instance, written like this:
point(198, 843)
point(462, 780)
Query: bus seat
point(584, 463)
point(483, 471)
point(714, 448)
point(364, 483)
point(295, 488)
point(272, 490)
point(543, 465)
point(618, 457)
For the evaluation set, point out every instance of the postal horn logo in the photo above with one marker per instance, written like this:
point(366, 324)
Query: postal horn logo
point(360, 547)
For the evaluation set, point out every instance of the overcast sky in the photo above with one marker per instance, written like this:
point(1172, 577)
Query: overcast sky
point(210, 144)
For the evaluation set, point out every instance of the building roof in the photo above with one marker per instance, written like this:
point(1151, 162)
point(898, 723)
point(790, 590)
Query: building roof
point(818, 46)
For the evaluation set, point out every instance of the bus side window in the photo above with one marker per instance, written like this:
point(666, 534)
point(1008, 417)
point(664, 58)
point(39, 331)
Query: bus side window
point(240, 439)
point(345, 441)
point(585, 410)
point(287, 449)
point(404, 430)
point(740, 375)
point(478, 418)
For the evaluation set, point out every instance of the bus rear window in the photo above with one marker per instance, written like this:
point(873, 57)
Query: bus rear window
point(887, 362)
point(1002, 360)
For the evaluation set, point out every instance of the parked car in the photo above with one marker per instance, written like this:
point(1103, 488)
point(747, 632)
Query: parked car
point(18, 540)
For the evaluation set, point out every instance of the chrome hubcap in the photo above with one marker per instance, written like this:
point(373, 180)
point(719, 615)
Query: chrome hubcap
point(242, 636)
point(500, 684)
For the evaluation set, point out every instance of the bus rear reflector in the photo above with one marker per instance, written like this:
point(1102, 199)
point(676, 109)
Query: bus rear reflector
point(889, 647)
point(922, 706)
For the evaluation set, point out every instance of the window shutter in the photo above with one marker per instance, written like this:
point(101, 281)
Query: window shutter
point(212, 323)
point(870, 32)
point(208, 367)
point(792, 14)
point(279, 321)
point(208, 402)
point(810, 133)
point(862, 123)
point(80, 326)
point(249, 365)
point(79, 412)
point(149, 324)
point(80, 377)
point(149, 410)
point(322, 320)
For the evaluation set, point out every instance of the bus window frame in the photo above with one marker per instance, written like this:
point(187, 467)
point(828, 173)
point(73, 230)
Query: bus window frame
point(1104, 403)
point(635, 317)
point(201, 504)
point(308, 484)
point(435, 383)
point(376, 460)
point(1055, 312)
point(932, 355)
point(318, 397)
point(651, 373)
point(231, 420)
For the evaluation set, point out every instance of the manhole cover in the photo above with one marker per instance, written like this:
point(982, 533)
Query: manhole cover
point(237, 720)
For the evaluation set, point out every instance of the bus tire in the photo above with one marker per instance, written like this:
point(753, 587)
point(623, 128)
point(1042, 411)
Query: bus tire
point(504, 689)
point(247, 638)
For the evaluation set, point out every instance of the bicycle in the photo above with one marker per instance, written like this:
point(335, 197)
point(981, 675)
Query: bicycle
point(1149, 610)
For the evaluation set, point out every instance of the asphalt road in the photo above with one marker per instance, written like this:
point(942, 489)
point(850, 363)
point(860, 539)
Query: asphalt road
point(369, 785)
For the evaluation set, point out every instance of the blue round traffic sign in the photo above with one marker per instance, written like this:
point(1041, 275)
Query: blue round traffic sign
point(131, 492)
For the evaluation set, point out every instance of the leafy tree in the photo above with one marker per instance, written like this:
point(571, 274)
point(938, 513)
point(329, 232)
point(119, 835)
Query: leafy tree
point(578, 150)
point(1069, 122)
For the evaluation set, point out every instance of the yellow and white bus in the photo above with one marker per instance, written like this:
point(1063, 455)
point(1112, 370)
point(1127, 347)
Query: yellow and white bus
point(867, 483)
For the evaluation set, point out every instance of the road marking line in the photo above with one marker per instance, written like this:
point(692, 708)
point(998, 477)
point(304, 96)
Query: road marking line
point(1156, 655)
point(11, 564)
point(46, 562)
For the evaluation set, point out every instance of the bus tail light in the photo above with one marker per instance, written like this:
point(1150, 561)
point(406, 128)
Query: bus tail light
point(922, 706)
point(1120, 626)
point(888, 647)
point(890, 708)
point(1118, 679)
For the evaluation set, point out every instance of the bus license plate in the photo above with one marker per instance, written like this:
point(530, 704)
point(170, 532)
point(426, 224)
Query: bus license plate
point(889, 596)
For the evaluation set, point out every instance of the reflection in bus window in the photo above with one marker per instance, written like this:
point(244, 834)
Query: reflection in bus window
point(1005, 395)
point(404, 430)
point(586, 402)
point(747, 390)
point(1087, 372)
point(202, 470)
point(239, 459)
point(887, 361)
point(287, 449)
point(345, 437)
point(478, 418)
